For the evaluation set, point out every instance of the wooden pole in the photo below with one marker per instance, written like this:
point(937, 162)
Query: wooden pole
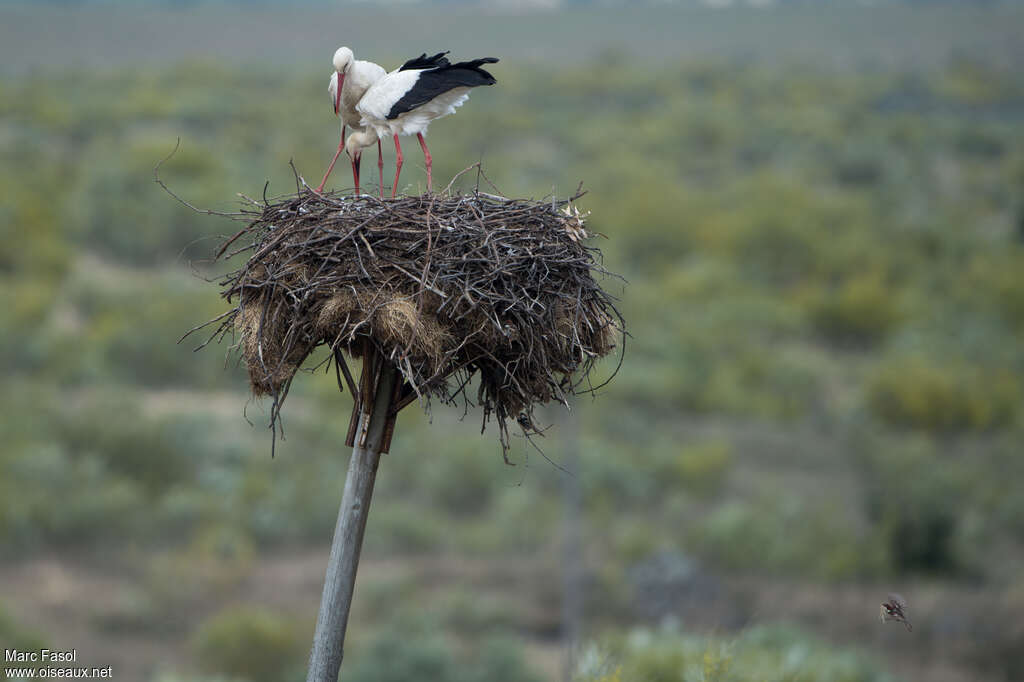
point(572, 567)
point(329, 638)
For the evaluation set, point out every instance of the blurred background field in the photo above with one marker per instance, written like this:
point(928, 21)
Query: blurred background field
point(820, 212)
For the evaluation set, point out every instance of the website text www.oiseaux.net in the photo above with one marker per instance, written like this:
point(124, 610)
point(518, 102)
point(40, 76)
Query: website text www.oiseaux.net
point(49, 671)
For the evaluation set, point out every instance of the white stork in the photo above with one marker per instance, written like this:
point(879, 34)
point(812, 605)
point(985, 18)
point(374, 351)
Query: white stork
point(350, 80)
point(405, 101)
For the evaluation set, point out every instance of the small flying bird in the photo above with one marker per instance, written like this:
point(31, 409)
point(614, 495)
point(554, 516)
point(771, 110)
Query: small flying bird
point(895, 609)
point(349, 82)
point(405, 101)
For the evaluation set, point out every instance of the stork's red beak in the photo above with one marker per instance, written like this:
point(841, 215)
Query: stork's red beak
point(337, 95)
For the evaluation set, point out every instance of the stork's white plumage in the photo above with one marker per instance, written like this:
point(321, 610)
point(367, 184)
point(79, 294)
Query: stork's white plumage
point(405, 101)
point(349, 82)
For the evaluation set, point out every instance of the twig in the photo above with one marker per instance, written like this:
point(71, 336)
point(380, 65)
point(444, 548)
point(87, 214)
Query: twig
point(448, 188)
point(156, 178)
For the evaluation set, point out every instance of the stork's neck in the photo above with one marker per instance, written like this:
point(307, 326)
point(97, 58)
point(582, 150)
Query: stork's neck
point(365, 137)
point(360, 75)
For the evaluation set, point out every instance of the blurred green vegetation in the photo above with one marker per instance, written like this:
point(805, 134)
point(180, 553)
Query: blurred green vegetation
point(823, 379)
point(17, 637)
point(771, 654)
point(253, 645)
point(242, 643)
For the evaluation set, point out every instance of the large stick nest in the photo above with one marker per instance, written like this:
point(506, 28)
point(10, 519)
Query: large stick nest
point(445, 287)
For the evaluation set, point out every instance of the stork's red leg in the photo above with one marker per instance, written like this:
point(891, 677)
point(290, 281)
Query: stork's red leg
point(355, 170)
point(380, 168)
point(341, 145)
point(398, 166)
point(426, 157)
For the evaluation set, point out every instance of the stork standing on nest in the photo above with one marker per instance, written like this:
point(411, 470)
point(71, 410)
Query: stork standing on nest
point(349, 82)
point(405, 101)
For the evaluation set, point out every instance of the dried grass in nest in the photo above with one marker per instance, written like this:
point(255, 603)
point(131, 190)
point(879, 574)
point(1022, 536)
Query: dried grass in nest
point(447, 287)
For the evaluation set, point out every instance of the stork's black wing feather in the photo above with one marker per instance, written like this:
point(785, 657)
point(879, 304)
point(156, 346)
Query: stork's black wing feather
point(436, 81)
point(425, 62)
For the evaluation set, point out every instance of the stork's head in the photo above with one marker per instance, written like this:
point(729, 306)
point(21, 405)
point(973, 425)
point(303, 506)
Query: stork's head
point(354, 147)
point(343, 59)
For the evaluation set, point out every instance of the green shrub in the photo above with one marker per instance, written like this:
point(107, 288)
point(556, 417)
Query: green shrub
point(752, 382)
point(462, 480)
point(776, 251)
point(252, 644)
point(633, 537)
point(21, 323)
point(141, 449)
point(499, 659)
point(128, 325)
point(918, 394)
point(980, 144)
point(117, 198)
point(51, 498)
point(767, 654)
point(404, 528)
point(14, 636)
point(397, 656)
point(469, 613)
point(784, 536)
point(997, 280)
point(217, 559)
point(131, 611)
point(917, 502)
point(414, 652)
point(170, 676)
point(861, 310)
point(702, 467)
